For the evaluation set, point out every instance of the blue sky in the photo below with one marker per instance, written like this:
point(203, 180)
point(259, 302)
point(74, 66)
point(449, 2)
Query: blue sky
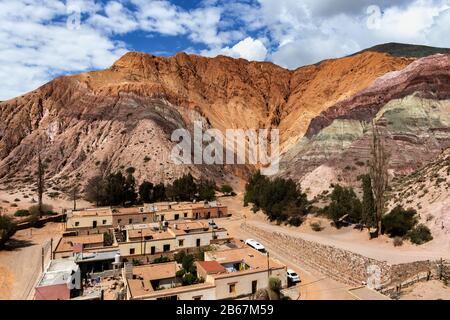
point(42, 39)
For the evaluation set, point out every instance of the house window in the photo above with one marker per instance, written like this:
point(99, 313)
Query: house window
point(162, 217)
point(166, 247)
point(104, 221)
point(152, 250)
point(232, 288)
point(197, 298)
point(132, 251)
point(77, 223)
point(180, 243)
point(144, 219)
point(119, 221)
point(185, 214)
point(198, 242)
point(130, 221)
point(176, 217)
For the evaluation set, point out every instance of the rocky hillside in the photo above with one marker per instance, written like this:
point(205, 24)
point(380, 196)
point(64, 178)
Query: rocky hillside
point(412, 108)
point(107, 120)
point(427, 190)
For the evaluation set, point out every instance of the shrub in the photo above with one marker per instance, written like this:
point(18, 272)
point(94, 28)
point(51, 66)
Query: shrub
point(316, 226)
point(22, 213)
point(420, 234)
point(189, 279)
point(107, 239)
point(295, 221)
point(274, 284)
point(7, 229)
point(46, 210)
point(136, 262)
point(399, 221)
point(180, 273)
point(161, 259)
point(398, 241)
point(226, 189)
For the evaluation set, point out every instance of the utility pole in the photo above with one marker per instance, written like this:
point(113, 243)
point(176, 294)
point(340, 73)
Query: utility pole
point(268, 267)
point(42, 259)
point(40, 183)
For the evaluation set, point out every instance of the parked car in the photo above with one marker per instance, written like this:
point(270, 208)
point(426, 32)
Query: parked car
point(255, 245)
point(292, 276)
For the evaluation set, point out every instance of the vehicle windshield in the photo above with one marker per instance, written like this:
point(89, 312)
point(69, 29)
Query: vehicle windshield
point(293, 274)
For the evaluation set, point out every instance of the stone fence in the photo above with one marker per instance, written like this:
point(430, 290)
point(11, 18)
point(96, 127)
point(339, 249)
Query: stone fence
point(346, 266)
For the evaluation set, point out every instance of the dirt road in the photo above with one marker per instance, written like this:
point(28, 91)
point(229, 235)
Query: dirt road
point(21, 260)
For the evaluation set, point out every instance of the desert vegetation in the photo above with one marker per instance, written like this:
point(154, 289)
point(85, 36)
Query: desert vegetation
point(118, 189)
point(280, 199)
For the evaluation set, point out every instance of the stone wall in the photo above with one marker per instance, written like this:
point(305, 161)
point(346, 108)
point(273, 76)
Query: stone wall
point(346, 266)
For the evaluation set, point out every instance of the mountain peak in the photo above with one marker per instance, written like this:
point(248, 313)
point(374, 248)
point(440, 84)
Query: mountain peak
point(406, 50)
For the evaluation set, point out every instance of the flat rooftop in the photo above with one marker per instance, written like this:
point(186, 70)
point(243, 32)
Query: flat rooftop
point(58, 272)
point(251, 257)
point(149, 233)
point(96, 256)
point(66, 243)
point(104, 211)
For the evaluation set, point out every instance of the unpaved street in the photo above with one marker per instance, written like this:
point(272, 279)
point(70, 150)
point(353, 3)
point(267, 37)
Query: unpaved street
point(21, 262)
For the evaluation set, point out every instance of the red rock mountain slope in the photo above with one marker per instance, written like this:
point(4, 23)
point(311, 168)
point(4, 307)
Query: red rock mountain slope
point(123, 116)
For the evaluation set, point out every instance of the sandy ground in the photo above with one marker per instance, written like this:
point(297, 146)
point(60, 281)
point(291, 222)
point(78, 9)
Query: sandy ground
point(11, 201)
point(431, 290)
point(349, 238)
point(20, 261)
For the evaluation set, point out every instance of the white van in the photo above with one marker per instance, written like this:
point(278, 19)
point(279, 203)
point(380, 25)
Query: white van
point(255, 245)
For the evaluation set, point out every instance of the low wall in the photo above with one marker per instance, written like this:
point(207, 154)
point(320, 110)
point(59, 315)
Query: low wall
point(346, 266)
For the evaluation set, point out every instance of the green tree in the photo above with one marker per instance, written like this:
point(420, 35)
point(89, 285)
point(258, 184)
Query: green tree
point(146, 192)
point(115, 189)
point(368, 218)
point(378, 174)
point(206, 190)
point(95, 190)
point(130, 195)
point(188, 263)
point(344, 202)
point(182, 189)
point(7, 229)
point(159, 192)
point(280, 199)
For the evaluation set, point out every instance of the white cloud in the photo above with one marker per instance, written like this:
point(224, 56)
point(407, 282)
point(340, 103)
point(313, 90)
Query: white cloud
point(249, 48)
point(36, 44)
point(35, 48)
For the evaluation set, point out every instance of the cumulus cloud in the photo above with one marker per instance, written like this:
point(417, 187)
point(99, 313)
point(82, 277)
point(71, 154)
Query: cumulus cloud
point(249, 48)
point(40, 39)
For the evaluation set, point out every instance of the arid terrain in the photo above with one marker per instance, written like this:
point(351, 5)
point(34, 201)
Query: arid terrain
point(100, 122)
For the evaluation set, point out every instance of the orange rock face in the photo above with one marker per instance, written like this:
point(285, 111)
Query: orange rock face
point(123, 116)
